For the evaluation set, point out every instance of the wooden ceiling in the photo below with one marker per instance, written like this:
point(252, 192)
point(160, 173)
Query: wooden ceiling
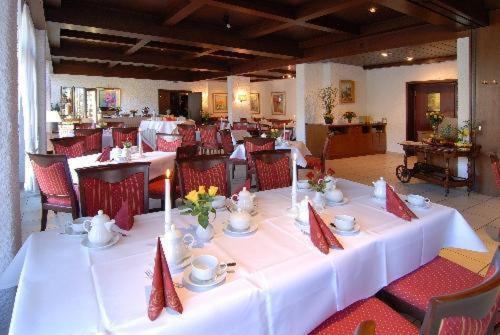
point(185, 40)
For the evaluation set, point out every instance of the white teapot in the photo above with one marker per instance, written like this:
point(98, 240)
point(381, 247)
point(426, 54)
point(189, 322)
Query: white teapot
point(334, 194)
point(380, 186)
point(244, 200)
point(99, 229)
point(115, 153)
point(176, 246)
point(330, 182)
point(303, 207)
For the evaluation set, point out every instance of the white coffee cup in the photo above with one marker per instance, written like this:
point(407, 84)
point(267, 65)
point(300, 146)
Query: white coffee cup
point(206, 267)
point(417, 200)
point(219, 201)
point(344, 222)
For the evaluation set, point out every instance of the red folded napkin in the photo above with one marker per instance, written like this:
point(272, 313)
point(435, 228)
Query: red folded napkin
point(321, 236)
point(240, 188)
point(396, 206)
point(162, 291)
point(146, 147)
point(124, 218)
point(105, 155)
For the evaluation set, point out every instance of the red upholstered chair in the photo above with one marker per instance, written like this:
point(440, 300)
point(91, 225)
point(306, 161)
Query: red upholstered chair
point(228, 147)
point(288, 133)
point(253, 144)
point(243, 119)
point(263, 128)
point(366, 327)
point(272, 168)
point(188, 133)
point(495, 167)
point(207, 170)
point(168, 142)
point(69, 146)
point(56, 187)
point(93, 139)
point(121, 135)
point(107, 187)
point(240, 126)
point(208, 140)
point(412, 293)
point(87, 125)
point(319, 162)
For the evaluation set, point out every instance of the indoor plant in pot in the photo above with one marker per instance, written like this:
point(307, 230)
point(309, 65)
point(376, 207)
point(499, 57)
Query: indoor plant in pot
point(328, 97)
point(349, 116)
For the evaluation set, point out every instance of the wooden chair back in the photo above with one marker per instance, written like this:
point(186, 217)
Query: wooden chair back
point(495, 167)
point(187, 151)
point(84, 125)
point(202, 164)
point(69, 146)
point(93, 139)
point(476, 303)
point(240, 125)
point(270, 157)
point(123, 134)
point(226, 141)
point(112, 173)
point(113, 124)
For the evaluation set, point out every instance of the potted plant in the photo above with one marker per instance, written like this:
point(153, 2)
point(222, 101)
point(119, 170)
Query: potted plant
point(199, 203)
point(274, 133)
point(466, 135)
point(328, 97)
point(205, 117)
point(348, 116)
point(435, 118)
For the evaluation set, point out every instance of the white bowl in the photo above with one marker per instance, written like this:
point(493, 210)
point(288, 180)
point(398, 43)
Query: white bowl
point(344, 222)
point(303, 184)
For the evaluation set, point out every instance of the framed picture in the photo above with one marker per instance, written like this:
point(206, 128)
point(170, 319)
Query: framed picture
point(347, 92)
point(254, 103)
point(278, 100)
point(219, 103)
point(109, 97)
point(66, 103)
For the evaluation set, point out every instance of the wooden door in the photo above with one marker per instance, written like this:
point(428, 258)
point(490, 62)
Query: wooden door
point(163, 101)
point(426, 96)
point(194, 106)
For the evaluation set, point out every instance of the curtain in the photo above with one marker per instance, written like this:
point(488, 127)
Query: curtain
point(28, 110)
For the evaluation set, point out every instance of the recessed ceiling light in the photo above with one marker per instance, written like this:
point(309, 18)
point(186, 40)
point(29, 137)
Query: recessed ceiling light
point(372, 9)
point(384, 54)
point(409, 59)
point(289, 67)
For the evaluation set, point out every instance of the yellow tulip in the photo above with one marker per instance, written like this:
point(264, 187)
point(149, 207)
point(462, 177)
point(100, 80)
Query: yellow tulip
point(212, 190)
point(192, 196)
point(201, 190)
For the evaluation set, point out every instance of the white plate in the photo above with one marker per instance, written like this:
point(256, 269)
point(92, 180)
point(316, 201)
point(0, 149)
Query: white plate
point(351, 232)
point(198, 286)
point(86, 243)
point(340, 203)
point(228, 230)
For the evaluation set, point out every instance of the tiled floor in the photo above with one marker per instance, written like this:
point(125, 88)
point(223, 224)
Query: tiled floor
point(480, 210)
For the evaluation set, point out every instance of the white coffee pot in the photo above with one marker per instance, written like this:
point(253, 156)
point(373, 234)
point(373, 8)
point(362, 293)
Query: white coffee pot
point(334, 194)
point(244, 200)
point(99, 229)
point(330, 182)
point(176, 246)
point(380, 186)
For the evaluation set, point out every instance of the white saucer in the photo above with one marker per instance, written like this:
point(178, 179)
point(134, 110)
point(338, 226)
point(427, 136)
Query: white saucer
point(379, 200)
point(69, 231)
point(351, 232)
point(233, 208)
point(344, 201)
point(426, 206)
point(198, 286)
point(86, 243)
point(303, 227)
point(181, 266)
point(228, 230)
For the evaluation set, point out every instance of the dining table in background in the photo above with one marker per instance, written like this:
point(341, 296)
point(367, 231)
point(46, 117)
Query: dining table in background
point(282, 284)
point(297, 147)
point(160, 162)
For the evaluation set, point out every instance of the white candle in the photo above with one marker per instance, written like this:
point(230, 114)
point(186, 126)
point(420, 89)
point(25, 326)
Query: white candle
point(284, 129)
point(139, 138)
point(294, 181)
point(168, 203)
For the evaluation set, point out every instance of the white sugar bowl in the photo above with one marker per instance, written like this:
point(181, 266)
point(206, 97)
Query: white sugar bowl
point(334, 194)
point(240, 220)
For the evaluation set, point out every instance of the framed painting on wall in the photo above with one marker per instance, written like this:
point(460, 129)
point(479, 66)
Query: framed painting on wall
point(66, 102)
point(254, 103)
point(278, 100)
point(219, 103)
point(109, 97)
point(347, 91)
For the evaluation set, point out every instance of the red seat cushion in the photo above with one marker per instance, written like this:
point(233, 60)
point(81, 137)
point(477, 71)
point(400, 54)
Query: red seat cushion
point(313, 162)
point(273, 175)
point(388, 321)
point(438, 277)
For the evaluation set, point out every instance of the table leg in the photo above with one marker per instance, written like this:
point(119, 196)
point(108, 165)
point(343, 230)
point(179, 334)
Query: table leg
point(447, 177)
point(470, 175)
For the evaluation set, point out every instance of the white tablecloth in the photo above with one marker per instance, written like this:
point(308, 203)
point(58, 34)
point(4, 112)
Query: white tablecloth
point(160, 162)
point(282, 284)
point(297, 147)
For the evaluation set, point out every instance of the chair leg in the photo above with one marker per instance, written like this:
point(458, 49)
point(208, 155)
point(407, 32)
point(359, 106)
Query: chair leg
point(162, 204)
point(44, 219)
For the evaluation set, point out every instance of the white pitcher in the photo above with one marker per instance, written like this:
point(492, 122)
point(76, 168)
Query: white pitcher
point(380, 186)
point(176, 246)
point(99, 229)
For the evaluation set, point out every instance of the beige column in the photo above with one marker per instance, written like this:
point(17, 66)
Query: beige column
point(10, 225)
point(238, 89)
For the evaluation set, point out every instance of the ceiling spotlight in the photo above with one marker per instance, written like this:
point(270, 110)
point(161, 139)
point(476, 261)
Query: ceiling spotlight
point(384, 54)
point(409, 59)
point(226, 21)
point(289, 76)
point(289, 67)
point(372, 9)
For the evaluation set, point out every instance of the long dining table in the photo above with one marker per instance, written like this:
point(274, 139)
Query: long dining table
point(281, 285)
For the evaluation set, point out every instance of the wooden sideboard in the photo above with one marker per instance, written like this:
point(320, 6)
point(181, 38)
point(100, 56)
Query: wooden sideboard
point(349, 139)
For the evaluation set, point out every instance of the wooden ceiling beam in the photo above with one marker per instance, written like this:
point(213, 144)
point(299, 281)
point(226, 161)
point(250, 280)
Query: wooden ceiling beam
point(76, 51)
point(413, 62)
point(137, 46)
point(448, 13)
point(120, 71)
point(101, 20)
point(182, 12)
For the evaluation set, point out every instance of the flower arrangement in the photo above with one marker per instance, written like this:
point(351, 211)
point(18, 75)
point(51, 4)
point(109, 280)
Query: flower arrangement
point(348, 116)
point(199, 203)
point(274, 133)
point(128, 143)
point(205, 117)
point(317, 179)
point(434, 118)
point(328, 97)
point(465, 135)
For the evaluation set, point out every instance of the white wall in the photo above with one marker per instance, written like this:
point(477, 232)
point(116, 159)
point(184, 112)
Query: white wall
point(135, 93)
point(264, 88)
point(386, 94)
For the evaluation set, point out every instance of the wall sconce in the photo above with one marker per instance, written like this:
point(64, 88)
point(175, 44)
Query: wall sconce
point(242, 97)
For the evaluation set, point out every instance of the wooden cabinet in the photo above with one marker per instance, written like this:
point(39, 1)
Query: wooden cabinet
point(349, 140)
